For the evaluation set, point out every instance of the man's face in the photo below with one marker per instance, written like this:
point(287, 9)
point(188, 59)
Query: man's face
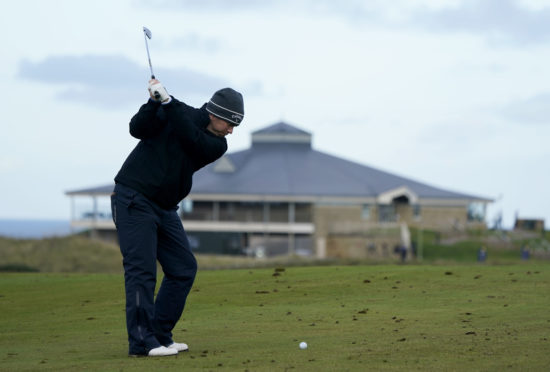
point(219, 127)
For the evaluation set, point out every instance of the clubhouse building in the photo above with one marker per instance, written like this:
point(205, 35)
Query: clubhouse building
point(281, 196)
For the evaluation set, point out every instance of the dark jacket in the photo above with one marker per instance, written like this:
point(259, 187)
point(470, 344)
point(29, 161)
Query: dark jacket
point(174, 144)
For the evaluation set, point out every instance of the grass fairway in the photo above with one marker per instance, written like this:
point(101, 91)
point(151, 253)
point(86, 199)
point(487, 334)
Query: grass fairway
point(354, 318)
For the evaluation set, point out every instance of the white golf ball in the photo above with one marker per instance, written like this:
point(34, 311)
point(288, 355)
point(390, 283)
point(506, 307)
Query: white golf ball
point(303, 345)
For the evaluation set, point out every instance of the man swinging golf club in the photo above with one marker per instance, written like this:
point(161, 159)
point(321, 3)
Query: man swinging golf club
point(176, 140)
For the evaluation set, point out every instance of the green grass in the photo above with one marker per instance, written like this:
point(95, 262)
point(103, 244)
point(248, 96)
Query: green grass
point(502, 247)
point(467, 251)
point(354, 318)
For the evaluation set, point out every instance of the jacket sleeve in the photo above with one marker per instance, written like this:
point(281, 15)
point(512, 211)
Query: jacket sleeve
point(189, 126)
point(146, 123)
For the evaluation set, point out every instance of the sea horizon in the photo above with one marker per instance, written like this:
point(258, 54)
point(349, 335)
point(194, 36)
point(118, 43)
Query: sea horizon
point(34, 228)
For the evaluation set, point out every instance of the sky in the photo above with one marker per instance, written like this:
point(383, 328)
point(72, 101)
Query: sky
point(455, 93)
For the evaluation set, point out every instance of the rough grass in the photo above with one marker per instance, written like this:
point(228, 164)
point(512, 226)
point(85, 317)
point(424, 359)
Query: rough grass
point(60, 254)
point(503, 247)
point(84, 255)
point(354, 318)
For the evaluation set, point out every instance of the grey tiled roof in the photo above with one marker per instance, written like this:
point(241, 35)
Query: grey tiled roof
point(291, 167)
point(281, 127)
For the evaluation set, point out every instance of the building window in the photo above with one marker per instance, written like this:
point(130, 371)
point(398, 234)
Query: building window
point(302, 212)
point(278, 212)
point(198, 210)
point(187, 206)
point(386, 213)
point(250, 211)
point(476, 212)
point(365, 212)
point(227, 211)
point(242, 211)
point(91, 208)
point(416, 211)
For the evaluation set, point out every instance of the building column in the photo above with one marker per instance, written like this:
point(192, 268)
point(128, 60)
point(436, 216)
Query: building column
point(73, 216)
point(291, 219)
point(321, 248)
point(266, 217)
point(93, 232)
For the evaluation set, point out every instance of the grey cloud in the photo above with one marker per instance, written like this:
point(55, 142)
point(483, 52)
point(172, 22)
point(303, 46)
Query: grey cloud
point(501, 21)
point(91, 70)
point(504, 21)
point(205, 5)
point(352, 9)
point(112, 81)
point(535, 110)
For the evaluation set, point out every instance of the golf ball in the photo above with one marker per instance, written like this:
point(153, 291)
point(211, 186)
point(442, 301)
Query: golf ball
point(303, 345)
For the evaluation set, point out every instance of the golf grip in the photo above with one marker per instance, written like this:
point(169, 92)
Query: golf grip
point(157, 95)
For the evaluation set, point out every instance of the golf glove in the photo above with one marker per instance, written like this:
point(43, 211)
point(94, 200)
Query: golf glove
point(158, 92)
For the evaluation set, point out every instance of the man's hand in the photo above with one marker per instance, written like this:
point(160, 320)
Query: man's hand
point(157, 91)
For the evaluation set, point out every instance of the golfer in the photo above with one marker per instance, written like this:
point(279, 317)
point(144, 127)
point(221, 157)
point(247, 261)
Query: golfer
point(176, 140)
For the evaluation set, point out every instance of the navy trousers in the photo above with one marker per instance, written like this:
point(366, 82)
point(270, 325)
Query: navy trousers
point(147, 233)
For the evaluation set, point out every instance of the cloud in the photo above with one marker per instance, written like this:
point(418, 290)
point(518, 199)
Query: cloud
point(535, 110)
point(353, 9)
point(223, 5)
point(207, 5)
point(111, 81)
point(197, 42)
point(502, 21)
point(101, 71)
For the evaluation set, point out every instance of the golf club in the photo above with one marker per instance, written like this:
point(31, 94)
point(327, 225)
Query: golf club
point(147, 35)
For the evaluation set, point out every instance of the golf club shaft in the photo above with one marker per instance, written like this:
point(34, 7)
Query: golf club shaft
point(147, 34)
point(149, 56)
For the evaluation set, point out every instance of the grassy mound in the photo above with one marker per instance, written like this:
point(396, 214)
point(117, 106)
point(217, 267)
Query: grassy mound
point(80, 254)
point(63, 254)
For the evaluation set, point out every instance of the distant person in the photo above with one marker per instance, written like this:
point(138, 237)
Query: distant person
point(176, 140)
point(524, 252)
point(482, 254)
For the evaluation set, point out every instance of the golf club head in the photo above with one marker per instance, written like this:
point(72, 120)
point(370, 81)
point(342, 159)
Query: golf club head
point(147, 32)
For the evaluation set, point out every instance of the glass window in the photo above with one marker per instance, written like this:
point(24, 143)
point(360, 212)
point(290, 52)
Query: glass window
point(187, 206)
point(227, 211)
point(302, 212)
point(386, 213)
point(365, 212)
point(198, 211)
point(476, 212)
point(416, 211)
point(92, 207)
point(278, 212)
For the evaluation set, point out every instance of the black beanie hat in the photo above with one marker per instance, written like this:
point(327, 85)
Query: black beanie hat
point(227, 104)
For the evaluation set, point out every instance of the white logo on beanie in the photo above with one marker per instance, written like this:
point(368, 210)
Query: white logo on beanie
point(237, 118)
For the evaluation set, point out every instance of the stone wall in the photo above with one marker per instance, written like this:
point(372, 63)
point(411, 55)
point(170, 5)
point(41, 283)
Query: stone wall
point(379, 246)
point(342, 231)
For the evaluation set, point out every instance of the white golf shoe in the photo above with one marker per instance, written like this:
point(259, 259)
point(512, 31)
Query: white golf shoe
point(178, 347)
point(162, 351)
